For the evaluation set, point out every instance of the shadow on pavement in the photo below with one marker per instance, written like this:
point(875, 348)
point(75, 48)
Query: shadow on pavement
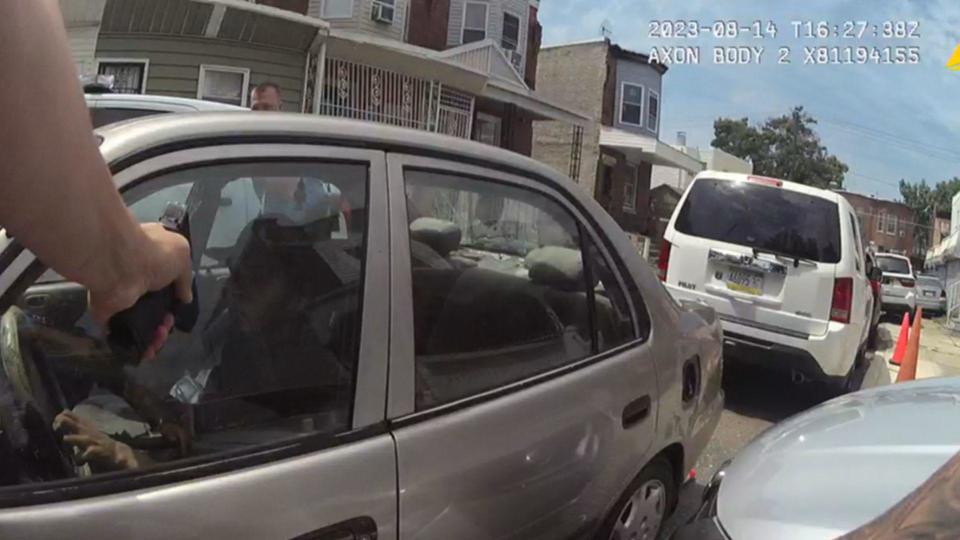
point(769, 395)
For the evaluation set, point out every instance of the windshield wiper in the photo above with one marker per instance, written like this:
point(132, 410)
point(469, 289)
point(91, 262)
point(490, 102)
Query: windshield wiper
point(782, 255)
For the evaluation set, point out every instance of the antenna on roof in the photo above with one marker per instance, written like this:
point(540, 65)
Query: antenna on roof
point(605, 29)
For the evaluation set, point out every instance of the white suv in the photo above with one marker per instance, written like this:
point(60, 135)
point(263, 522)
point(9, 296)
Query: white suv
point(783, 265)
point(898, 291)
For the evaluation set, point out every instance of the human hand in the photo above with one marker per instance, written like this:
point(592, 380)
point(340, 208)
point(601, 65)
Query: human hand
point(94, 446)
point(162, 258)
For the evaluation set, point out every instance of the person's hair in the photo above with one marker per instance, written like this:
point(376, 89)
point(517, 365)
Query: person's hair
point(264, 85)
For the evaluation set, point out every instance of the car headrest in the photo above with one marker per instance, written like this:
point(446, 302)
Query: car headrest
point(441, 235)
point(556, 267)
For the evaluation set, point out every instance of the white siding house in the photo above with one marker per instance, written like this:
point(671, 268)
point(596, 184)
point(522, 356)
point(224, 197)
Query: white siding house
point(493, 26)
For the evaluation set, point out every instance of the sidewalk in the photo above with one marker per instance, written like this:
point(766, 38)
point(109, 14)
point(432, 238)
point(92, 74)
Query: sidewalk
point(939, 349)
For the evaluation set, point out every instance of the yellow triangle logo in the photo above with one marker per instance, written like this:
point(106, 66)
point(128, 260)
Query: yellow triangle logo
point(954, 61)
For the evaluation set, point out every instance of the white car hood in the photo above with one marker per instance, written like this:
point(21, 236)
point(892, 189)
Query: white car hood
point(833, 468)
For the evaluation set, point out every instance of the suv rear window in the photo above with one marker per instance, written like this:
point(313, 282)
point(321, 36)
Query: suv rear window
point(893, 265)
point(763, 217)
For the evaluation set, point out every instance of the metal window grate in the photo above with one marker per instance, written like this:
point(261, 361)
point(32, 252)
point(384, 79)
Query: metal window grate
point(362, 92)
point(575, 153)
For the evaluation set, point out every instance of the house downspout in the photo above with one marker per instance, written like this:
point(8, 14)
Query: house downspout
point(321, 68)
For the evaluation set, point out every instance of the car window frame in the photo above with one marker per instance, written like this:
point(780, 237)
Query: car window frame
point(401, 408)
point(370, 389)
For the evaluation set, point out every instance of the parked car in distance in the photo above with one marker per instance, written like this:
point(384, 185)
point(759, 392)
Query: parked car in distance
point(875, 275)
point(109, 108)
point(931, 295)
point(782, 264)
point(482, 354)
point(828, 471)
point(898, 289)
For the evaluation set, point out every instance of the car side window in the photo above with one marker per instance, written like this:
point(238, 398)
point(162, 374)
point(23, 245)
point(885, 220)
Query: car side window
point(611, 311)
point(500, 289)
point(101, 116)
point(279, 264)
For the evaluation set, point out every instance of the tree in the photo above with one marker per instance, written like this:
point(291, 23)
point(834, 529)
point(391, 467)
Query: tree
point(783, 147)
point(924, 201)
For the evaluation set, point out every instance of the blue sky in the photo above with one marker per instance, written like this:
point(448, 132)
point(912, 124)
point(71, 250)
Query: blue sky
point(885, 122)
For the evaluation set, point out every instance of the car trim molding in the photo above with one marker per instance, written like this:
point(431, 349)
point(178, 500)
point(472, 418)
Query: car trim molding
point(764, 326)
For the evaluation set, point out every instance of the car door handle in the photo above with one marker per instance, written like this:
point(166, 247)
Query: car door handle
point(635, 412)
point(360, 528)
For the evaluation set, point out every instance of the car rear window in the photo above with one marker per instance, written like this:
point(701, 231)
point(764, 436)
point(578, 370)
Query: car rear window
point(894, 265)
point(930, 282)
point(102, 117)
point(764, 217)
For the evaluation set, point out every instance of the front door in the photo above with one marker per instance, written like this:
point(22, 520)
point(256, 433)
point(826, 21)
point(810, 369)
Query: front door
point(267, 421)
point(512, 361)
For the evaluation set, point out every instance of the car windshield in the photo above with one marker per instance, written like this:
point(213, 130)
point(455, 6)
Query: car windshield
point(893, 265)
point(763, 217)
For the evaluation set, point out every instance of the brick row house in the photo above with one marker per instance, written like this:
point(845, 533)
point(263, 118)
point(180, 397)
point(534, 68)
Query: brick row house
point(459, 67)
point(621, 91)
point(886, 226)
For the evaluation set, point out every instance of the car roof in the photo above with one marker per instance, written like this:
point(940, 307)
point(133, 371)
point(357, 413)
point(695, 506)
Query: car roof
point(122, 139)
point(158, 102)
point(785, 184)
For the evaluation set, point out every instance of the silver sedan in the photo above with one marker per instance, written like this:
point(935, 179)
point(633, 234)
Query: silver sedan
point(400, 335)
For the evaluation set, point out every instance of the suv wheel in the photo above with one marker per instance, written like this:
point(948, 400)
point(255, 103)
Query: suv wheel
point(644, 506)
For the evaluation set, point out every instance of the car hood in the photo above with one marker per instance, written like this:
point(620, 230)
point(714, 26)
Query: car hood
point(835, 467)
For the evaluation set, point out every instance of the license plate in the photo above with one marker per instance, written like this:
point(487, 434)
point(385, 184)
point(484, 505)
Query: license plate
point(744, 281)
point(929, 293)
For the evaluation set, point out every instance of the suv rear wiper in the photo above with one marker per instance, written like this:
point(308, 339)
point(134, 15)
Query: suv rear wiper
point(795, 258)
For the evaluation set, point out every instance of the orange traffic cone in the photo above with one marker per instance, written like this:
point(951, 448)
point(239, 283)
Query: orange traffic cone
point(901, 341)
point(908, 371)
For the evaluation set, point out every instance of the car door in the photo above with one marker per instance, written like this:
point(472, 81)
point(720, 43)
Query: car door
point(864, 292)
point(282, 383)
point(522, 399)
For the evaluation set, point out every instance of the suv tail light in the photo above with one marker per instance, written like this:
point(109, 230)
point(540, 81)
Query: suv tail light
point(907, 282)
point(663, 261)
point(842, 300)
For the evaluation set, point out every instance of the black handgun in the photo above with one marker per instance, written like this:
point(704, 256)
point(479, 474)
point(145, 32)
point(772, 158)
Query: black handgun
point(131, 330)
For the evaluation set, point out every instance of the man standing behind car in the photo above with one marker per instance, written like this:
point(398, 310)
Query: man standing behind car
point(266, 97)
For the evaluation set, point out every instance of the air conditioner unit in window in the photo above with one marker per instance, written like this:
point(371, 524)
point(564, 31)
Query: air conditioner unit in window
point(516, 59)
point(382, 11)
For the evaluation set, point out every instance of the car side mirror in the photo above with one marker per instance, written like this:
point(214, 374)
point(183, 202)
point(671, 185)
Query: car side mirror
point(875, 274)
point(226, 202)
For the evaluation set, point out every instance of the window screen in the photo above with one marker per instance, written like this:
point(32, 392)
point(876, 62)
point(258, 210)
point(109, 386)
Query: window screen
point(474, 22)
point(631, 110)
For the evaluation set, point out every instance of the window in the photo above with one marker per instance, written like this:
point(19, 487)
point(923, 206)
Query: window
point(108, 115)
point(892, 224)
point(487, 129)
point(631, 104)
point(511, 32)
point(653, 111)
point(630, 191)
point(500, 292)
point(880, 222)
point(755, 215)
point(474, 22)
point(129, 75)
point(223, 84)
point(383, 11)
point(338, 9)
point(279, 265)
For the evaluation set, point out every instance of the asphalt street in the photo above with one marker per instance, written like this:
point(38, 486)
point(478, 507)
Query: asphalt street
point(756, 399)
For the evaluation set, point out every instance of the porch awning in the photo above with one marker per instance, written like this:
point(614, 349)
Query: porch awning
point(228, 20)
point(948, 249)
point(538, 107)
point(403, 58)
point(649, 149)
point(477, 70)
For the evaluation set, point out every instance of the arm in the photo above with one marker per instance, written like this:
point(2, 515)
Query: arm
point(56, 194)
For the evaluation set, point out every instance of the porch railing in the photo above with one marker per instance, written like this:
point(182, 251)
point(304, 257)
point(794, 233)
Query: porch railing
point(363, 92)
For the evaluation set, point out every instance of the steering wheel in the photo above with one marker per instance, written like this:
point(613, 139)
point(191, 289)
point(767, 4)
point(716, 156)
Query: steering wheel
point(30, 399)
